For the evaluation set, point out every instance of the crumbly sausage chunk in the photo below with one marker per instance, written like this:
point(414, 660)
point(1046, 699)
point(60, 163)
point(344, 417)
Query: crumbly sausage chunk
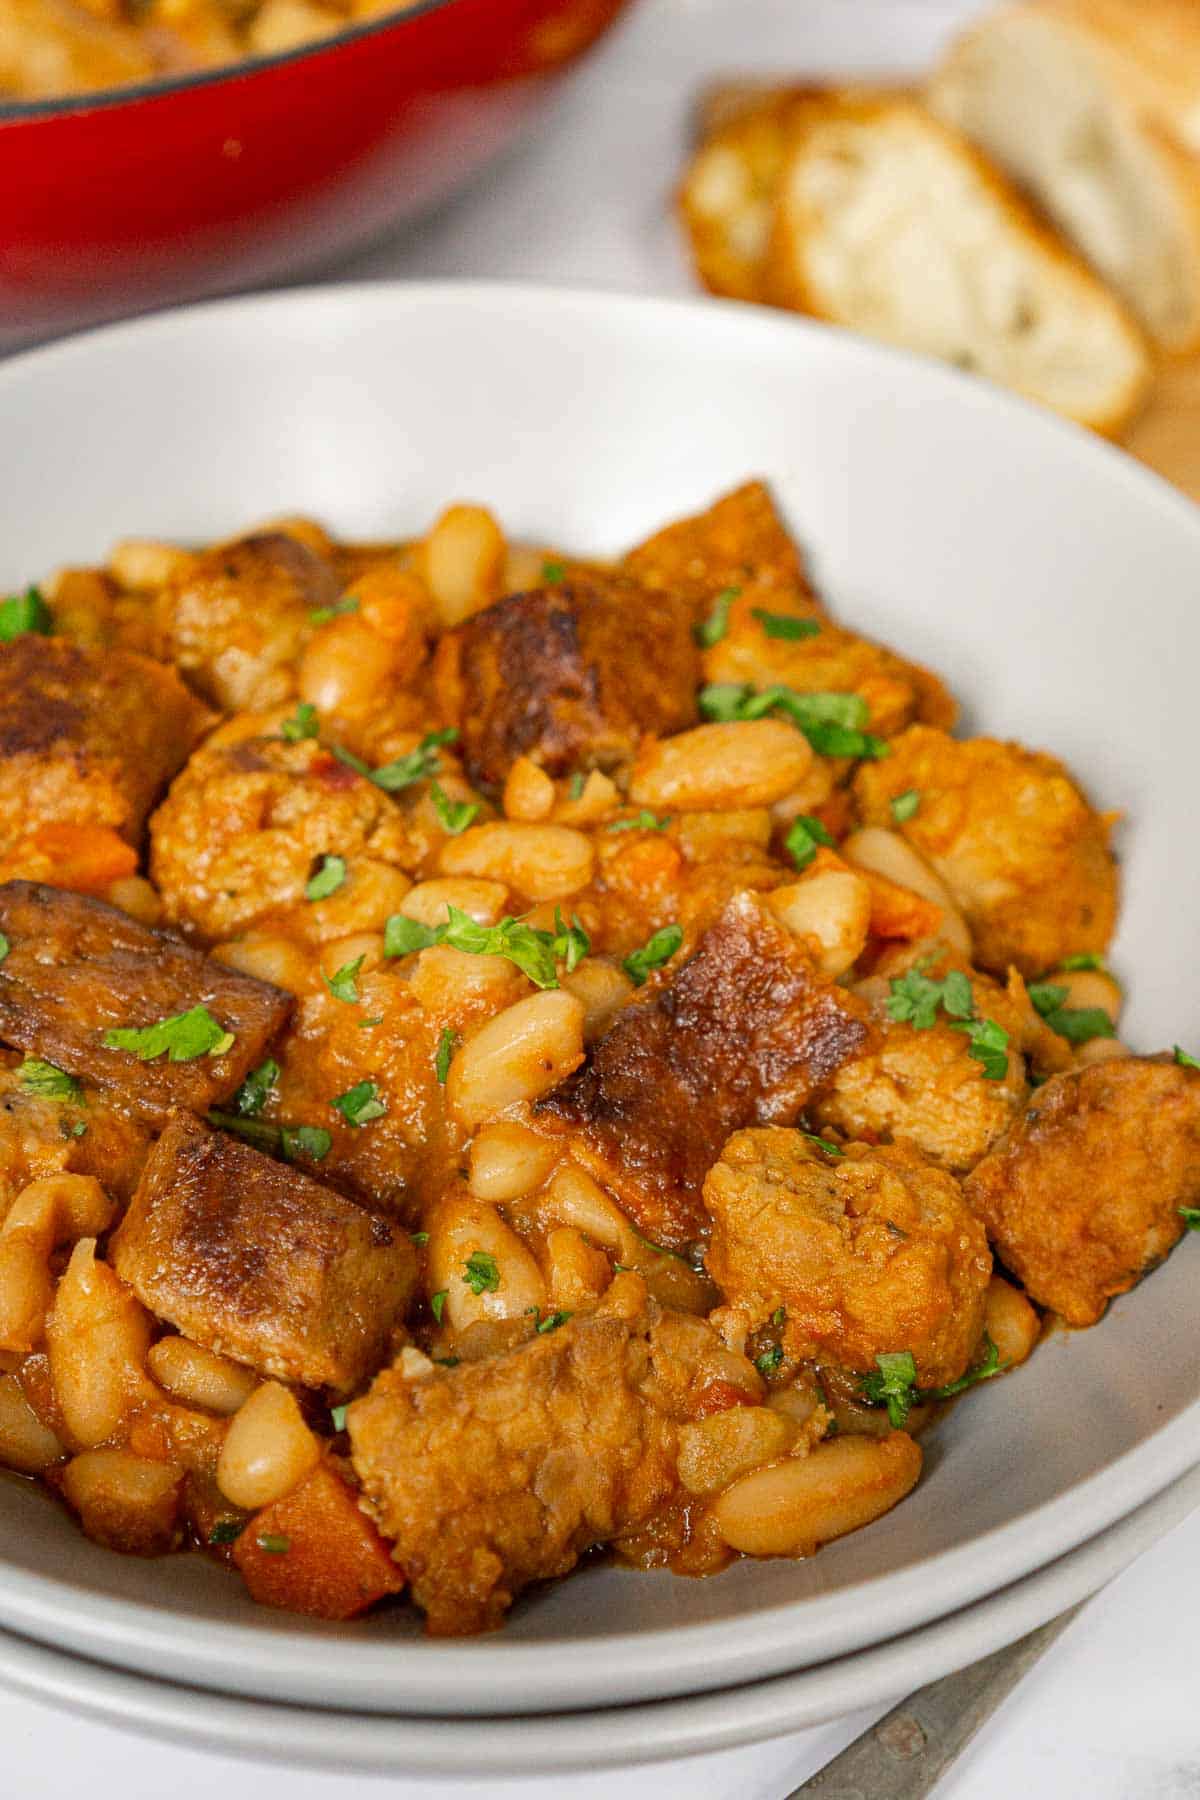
point(499, 1473)
point(77, 968)
point(248, 822)
point(740, 542)
point(257, 1260)
point(87, 737)
point(570, 676)
point(744, 1031)
point(1082, 1196)
point(1013, 837)
point(79, 1134)
point(871, 1251)
point(925, 1086)
point(236, 621)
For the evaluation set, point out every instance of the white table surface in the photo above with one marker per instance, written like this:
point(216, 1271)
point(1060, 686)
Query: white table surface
point(1111, 1711)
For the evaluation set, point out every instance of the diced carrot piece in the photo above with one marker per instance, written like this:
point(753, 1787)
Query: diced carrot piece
point(720, 1396)
point(836, 813)
point(85, 858)
point(314, 1552)
point(896, 912)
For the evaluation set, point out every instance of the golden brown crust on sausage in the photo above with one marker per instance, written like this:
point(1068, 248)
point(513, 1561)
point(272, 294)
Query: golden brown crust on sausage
point(744, 1031)
point(250, 1257)
point(739, 542)
point(1082, 1195)
point(570, 676)
point(77, 968)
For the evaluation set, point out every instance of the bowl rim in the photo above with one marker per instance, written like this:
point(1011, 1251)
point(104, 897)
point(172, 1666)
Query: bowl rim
point(160, 87)
point(32, 1603)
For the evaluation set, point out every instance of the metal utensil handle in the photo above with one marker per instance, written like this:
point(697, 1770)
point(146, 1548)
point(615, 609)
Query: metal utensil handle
point(905, 1754)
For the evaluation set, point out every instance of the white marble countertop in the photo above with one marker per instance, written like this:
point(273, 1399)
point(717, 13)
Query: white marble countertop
point(1111, 1711)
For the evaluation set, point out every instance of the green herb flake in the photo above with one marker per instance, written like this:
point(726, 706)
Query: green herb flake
point(983, 1371)
point(47, 1081)
point(337, 1415)
point(710, 631)
point(989, 1046)
point(369, 1024)
point(481, 1272)
point(769, 1361)
point(785, 625)
point(643, 821)
point(1085, 959)
point(832, 723)
point(551, 1322)
point(1046, 996)
point(226, 1531)
point(310, 1141)
point(302, 724)
point(5, 946)
point(453, 815)
point(360, 1104)
point(273, 1544)
point(894, 1386)
point(321, 615)
point(803, 835)
point(914, 1000)
point(905, 805)
point(824, 1144)
point(342, 984)
point(182, 1038)
point(254, 1092)
point(660, 949)
point(402, 935)
point(553, 572)
point(1184, 1060)
point(327, 879)
point(437, 1302)
point(1080, 1024)
point(1191, 1217)
point(536, 953)
point(418, 765)
point(22, 613)
point(779, 1317)
point(576, 785)
point(419, 1238)
point(445, 1051)
point(79, 1129)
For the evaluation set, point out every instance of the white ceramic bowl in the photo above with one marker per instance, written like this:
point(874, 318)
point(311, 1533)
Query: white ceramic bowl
point(1052, 582)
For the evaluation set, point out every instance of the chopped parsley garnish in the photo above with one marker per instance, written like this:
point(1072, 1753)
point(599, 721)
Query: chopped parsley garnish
point(5, 946)
point(337, 1415)
point(905, 805)
point(311, 1141)
point(823, 1144)
point(273, 1543)
point(327, 879)
point(321, 615)
point(302, 724)
point(832, 723)
point(419, 1238)
point(453, 815)
point(576, 785)
point(481, 1272)
point(644, 821)
point(360, 1104)
point(914, 1000)
point(710, 631)
point(252, 1096)
point(225, 1531)
point(1184, 1060)
point(342, 983)
point(895, 1384)
point(437, 1302)
point(658, 1249)
point(181, 1039)
point(1191, 1217)
point(79, 1129)
point(1085, 959)
point(536, 953)
point(418, 765)
point(769, 1361)
point(661, 947)
point(48, 1081)
point(445, 1051)
point(785, 625)
point(551, 1322)
point(1080, 1024)
point(25, 612)
point(367, 1024)
point(553, 572)
point(803, 835)
point(1046, 996)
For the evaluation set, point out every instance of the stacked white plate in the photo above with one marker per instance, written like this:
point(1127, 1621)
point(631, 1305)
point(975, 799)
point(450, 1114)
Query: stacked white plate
point(1050, 580)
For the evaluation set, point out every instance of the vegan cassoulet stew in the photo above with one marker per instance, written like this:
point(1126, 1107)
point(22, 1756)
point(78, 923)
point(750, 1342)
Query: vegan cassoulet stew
point(506, 1054)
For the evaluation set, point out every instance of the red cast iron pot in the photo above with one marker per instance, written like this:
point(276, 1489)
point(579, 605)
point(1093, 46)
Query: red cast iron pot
point(139, 196)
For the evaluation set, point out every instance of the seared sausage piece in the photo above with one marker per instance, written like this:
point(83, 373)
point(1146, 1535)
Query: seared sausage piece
point(87, 737)
point(76, 969)
point(570, 676)
point(739, 542)
point(498, 1473)
point(253, 1258)
point(1082, 1195)
point(744, 1033)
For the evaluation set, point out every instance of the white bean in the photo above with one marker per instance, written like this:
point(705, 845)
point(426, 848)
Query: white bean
point(463, 1229)
point(832, 909)
point(791, 1507)
point(97, 1334)
point(546, 862)
point(198, 1377)
point(519, 1055)
point(887, 853)
point(268, 1450)
point(506, 1160)
point(745, 764)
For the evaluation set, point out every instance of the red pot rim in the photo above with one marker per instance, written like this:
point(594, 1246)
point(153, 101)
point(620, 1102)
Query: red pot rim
point(137, 93)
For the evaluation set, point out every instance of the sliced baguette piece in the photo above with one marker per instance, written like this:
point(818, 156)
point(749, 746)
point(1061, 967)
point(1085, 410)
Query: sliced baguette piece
point(1093, 107)
point(890, 224)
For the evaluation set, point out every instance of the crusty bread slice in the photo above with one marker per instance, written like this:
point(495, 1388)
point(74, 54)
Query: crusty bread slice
point(1091, 105)
point(889, 223)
